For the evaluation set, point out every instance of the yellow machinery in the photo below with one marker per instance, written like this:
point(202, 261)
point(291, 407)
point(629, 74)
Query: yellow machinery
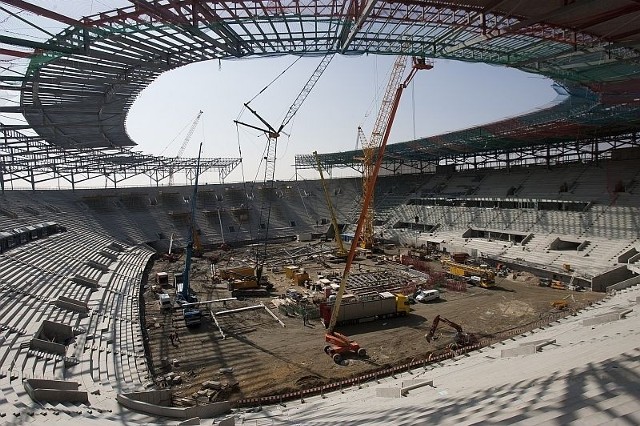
point(342, 252)
point(559, 304)
point(487, 277)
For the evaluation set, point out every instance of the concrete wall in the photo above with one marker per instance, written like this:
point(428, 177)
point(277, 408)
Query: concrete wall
point(627, 255)
point(55, 391)
point(606, 279)
point(624, 284)
point(79, 307)
point(46, 346)
point(156, 403)
point(87, 282)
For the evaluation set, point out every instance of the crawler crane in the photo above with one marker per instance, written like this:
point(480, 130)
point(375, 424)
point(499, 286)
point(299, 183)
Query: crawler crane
point(338, 343)
point(372, 147)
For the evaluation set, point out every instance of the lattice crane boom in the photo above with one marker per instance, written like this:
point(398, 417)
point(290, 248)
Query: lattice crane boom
point(384, 121)
point(369, 190)
point(334, 221)
point(306, 90)
point(189, 134)
point(187, 138)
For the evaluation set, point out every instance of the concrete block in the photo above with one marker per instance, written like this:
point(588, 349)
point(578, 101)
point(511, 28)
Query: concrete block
point(389, 392)
point(608, 317)
point(408, 385)
point(229, 421)
point(535, 342)
point(414, 382)
point(520, 350)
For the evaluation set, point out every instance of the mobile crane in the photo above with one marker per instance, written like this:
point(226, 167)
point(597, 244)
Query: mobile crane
point(460, 339)
point(338, 343)
point(342, 252)
point(487, 278)
point(192, 314)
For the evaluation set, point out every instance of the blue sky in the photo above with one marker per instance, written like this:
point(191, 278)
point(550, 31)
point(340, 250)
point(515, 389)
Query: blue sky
point(451, 96)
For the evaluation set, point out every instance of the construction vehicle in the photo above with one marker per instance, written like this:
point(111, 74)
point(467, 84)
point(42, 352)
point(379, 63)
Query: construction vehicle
point(341, 251)
point(486, 278)
point(460, 339)
point(559, 304)
point(192, 314)
point(384, 120)
point(382, 305)
point(242, 281)
point(339, 344)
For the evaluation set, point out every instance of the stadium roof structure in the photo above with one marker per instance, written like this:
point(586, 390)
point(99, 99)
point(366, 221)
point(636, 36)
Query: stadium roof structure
point(76, 86)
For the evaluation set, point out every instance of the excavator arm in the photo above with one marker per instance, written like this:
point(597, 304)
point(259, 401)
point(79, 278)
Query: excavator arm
point(433, 328)
point(436, 322)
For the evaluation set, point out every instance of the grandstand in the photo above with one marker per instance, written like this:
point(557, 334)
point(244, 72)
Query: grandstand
point(555, 192)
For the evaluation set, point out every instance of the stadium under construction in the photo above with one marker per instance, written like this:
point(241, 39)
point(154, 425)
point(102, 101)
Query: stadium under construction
point(488, 275)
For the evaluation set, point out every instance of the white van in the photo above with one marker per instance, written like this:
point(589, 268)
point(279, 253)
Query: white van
point(427, 295)
point(165, 301)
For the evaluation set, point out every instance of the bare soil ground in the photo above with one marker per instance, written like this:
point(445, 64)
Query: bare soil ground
point(258, 356)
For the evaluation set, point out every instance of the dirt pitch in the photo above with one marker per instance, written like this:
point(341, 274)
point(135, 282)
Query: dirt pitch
point(259, 357)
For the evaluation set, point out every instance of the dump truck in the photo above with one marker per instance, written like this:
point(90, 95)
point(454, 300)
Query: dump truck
point(383, 305)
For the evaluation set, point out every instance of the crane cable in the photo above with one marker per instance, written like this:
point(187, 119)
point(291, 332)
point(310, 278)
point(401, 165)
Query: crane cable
point(176, 137)
point(244, 183)
point(269, 85)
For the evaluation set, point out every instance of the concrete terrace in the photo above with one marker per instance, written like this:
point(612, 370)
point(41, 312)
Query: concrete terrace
point(583, 373)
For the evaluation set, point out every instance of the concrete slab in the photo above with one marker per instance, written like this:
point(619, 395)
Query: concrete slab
point(414, 382)
point(520, 350)
point(408, 385)
point(389, 392)
point(606, 317)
